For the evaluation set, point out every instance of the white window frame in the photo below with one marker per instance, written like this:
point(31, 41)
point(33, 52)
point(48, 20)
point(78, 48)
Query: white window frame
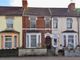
point(47, 19)
point(8, 41)
point(55, 36)
point(55, 24)
point(67, 34)
point(69, 23)
point(9, 21)
point(71, 37)
point(34, 20)
point(37, 44)
point(15, 41)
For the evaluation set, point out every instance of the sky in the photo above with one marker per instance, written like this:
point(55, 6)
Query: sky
point(40, 3)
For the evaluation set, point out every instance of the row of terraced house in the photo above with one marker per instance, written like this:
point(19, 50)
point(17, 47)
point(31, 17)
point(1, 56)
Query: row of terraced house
point(36, 27)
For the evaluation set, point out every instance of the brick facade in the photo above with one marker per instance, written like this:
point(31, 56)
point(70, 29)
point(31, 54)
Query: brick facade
point(40, 24)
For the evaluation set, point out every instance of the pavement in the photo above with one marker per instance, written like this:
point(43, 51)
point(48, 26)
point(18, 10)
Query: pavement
point(40, 58)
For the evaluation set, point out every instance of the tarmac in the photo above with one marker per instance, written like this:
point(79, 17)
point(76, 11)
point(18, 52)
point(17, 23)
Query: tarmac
point(40, 58)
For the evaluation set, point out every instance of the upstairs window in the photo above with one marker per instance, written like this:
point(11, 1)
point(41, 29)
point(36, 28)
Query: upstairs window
point(55, 23)
point(69, 23)
point(47, 22)
point(32, 21)
point(9, 22)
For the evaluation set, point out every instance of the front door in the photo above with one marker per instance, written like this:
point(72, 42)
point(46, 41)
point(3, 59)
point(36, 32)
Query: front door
point(48, 42)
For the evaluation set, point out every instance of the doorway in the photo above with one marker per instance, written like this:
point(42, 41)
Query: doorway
point(48, 42)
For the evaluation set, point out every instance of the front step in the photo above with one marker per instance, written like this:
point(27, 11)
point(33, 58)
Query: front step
point(50, 52)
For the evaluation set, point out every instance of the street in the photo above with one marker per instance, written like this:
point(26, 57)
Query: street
point(40, 58)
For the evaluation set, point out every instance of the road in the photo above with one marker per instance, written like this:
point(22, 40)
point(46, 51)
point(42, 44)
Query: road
point(40, 58)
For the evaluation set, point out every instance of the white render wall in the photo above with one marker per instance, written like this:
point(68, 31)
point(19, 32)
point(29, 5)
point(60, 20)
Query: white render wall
point(79, 30)
point(62, 26)
point(23, 52)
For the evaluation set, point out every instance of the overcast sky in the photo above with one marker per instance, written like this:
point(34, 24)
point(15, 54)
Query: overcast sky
point(40, 3)
point(52, 3)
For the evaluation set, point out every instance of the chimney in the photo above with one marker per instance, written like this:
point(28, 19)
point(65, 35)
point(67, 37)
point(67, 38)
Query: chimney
point(71, 7)
point(24, 4)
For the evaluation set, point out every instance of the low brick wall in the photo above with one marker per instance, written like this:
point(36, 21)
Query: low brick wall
point(32, 51)
point(8, 52)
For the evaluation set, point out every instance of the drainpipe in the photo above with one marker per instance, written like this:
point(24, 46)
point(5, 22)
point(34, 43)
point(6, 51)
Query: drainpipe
point(52, 30)
point(78, 29)
point(19, 40)
point(51, 24)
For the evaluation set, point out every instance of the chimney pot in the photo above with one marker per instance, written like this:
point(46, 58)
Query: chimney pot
point(24, 4)
point(71, 7)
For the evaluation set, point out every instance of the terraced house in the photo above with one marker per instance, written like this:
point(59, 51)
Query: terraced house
point(38, 29)
point(10, 27)
point(56, 27)
point(65, 27)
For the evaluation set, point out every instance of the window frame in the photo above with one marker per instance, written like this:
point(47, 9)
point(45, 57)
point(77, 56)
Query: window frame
point(55, 36)
point(15, 41)
point(38, 40)
point(9, 22)
point(69, 23)
point(55, 23)
point(8, 42)
point(33, 19)
point(70, 39)
point(75, 39)
point(47, 22)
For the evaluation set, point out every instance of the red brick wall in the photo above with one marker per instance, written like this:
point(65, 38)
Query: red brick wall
point(25, 22)
point(40, 22)
point(42, 37)
point(24, 38)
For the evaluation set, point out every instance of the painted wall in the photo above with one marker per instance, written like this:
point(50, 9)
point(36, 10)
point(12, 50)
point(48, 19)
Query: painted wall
point(62, 26)
point(17, 25)
point(2, 23)
point(79, 28)
point(2, 26)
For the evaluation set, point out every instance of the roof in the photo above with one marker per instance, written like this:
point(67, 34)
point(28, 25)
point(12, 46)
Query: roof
point(63, 12)
point(9, 31)
point(69, 31)
point(37, 11)
point(10, 11)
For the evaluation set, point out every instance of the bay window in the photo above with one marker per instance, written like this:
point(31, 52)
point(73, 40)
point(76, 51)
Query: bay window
point(69, 40)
